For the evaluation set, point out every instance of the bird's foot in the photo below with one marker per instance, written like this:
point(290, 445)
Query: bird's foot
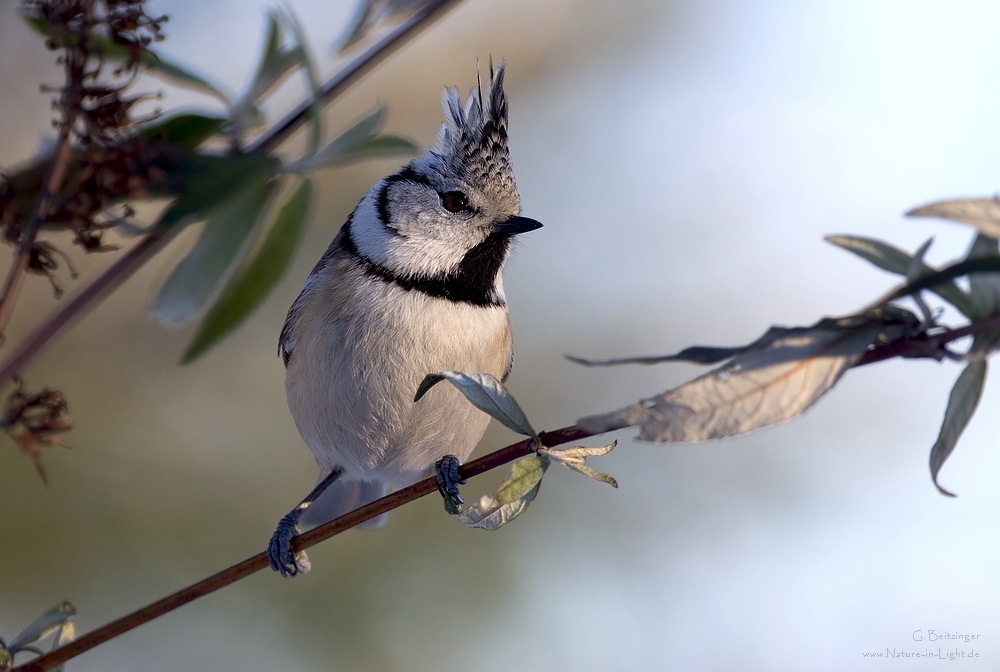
point(279, 549)
point(448, 479)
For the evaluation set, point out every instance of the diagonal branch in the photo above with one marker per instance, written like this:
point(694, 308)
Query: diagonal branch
point(156, 240)
point(303, 541)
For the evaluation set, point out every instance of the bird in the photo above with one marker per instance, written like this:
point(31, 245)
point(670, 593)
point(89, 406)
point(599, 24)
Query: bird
point(411, 285)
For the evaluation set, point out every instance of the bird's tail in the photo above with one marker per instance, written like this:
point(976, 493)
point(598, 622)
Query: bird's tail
point(341, 497)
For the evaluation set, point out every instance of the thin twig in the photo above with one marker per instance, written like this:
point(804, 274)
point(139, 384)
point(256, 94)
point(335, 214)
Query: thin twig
point(152, 243)
point(925, 346)
point(301, 542)
point(51, 183)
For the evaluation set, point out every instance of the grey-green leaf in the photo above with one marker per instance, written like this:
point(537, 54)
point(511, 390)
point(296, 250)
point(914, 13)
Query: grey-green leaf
point(358, 142)
point(312, 74)
point(372, 13)
point(257, 276)
point(44, 625)
point(485, 393)
point(695, 355)
point(982, 213)
point(962, 404)
point(984, 288)
point(894, 260)
point(776, 379)
point(276, 63)
point(229, 233)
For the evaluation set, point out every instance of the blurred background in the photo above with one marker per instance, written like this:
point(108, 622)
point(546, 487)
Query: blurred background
point(687, 159)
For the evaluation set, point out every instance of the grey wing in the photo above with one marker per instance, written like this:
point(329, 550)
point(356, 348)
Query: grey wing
point(286, 341)
point(509, 367)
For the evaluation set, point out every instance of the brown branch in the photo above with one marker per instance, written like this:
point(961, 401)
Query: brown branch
point(152, 243)
point(301, 542)
point(928, 346)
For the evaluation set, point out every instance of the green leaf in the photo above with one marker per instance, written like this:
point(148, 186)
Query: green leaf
point(44, 625)
point(485, 393)
point(356, 143)
point(525, 475)
point(257, 276)
point(894, 260)
point(181, 76)
point(982, 213)
point(312, 74)
point(962, 404)
point(575, 458)
point(6, 659)
point(203, 181)
point(511, 498)
point(186, 129)
point(229, 234)
point(276, 63)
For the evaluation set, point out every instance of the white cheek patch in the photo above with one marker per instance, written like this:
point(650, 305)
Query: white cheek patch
point(416, 242)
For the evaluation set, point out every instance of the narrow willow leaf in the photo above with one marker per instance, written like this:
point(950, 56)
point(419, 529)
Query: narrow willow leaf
point(485, 393)
point(575, 458)
point(312, 74)
point(276, 63)
point(358, 142)
point(229, 233)
point(695, 355)
point(205, 181)
point(982, 213)
point(934, 280)
point(372, 13)
point(186, 129)
point(257, 276)
point(961, 406)
point(778, 378)
point(984, 288)
point(894, 260)
point(510, 499)
point(42, 626)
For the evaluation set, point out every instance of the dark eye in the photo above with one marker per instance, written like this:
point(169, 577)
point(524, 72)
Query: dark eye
point(455, 201)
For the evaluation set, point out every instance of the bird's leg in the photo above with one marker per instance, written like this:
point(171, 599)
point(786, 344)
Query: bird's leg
point(448, 479)
point(279, 549)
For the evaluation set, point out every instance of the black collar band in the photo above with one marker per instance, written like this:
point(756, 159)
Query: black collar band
point(474, 282)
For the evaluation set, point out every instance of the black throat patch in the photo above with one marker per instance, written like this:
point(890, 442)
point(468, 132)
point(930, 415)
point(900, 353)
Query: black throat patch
point(473, 282)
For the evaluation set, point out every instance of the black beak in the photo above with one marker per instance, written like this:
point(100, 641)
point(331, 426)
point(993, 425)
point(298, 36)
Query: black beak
point(513, 225)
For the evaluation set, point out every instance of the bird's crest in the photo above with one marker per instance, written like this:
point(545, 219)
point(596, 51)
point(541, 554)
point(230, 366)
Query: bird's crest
point(473, 140)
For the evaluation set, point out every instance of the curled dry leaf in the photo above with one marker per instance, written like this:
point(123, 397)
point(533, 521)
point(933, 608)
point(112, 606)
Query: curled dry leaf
point(33, 419)
point(982, 213)
point(575, 458)
point(777, 378)
point(511, 498)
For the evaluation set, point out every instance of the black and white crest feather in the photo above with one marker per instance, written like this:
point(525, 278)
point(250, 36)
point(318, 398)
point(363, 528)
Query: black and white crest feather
point(473, 140)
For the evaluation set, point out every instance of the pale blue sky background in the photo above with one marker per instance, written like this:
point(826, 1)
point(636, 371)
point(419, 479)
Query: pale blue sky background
point(687, 159)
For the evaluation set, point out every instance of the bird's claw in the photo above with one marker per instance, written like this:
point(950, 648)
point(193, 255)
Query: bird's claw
point(279, 550)
point(448, 479)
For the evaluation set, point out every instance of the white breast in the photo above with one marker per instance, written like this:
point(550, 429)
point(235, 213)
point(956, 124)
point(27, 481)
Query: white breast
point(361, 350)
